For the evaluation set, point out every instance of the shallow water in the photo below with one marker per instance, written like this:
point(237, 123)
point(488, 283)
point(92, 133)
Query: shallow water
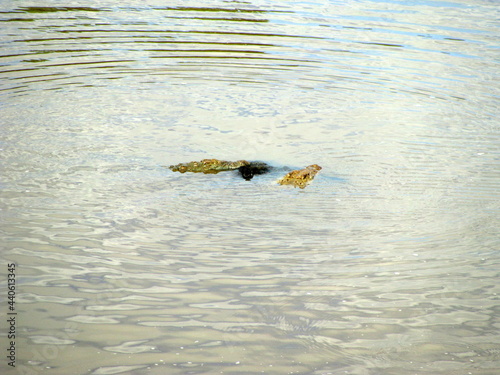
point(386, 264)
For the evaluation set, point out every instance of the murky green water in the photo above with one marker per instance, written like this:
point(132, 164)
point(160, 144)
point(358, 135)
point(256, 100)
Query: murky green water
point(388, 264)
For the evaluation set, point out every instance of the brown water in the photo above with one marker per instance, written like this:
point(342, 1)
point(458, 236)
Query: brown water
point(387, 264)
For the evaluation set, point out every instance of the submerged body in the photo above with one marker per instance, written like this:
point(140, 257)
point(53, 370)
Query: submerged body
point(253, 168)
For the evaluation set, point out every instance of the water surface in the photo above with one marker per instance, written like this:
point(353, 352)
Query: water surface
point(387, 264)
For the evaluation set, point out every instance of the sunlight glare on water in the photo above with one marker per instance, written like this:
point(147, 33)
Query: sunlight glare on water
point(386, 264)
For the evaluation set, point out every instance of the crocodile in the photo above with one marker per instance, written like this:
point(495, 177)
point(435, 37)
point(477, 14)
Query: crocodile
point(297, 178)
point(301, 177)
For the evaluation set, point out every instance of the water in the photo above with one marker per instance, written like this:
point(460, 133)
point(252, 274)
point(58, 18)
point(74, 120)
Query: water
point(386, 264)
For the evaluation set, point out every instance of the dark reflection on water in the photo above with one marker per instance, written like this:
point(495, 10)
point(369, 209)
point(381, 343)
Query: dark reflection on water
point(387, 264)
point(321, 49)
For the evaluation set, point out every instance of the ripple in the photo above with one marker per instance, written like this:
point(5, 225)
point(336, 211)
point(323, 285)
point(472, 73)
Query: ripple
point(111, 370)
point(130, 347)
point(103, 319)
point(50, 340)
point(119, 307)
point(31, 298)
point(235, 44)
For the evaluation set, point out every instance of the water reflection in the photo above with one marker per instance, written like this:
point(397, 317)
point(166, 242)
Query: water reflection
point(387, 263)
point(321, 50)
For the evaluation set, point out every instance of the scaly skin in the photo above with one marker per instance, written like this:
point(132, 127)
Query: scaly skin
point(212, 166)
point(300, 178)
